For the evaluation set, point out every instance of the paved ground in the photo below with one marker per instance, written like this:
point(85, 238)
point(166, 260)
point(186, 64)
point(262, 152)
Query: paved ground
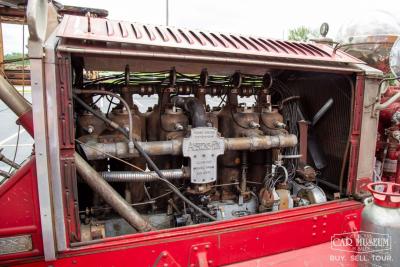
point(10, 133)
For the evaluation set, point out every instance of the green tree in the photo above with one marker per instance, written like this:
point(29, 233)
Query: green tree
point(302, 34)
point(15, 60)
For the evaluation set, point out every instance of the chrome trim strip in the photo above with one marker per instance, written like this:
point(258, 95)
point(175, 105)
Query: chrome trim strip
point(54, 143)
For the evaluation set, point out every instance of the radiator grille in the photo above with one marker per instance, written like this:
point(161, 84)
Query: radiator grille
point(332, 130)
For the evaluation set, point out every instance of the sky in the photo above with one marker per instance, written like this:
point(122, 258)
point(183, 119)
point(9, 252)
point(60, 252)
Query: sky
point(250, 17)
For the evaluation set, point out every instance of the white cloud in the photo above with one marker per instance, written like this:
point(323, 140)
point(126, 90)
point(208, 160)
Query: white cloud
point(258, 17)
point(12, 38)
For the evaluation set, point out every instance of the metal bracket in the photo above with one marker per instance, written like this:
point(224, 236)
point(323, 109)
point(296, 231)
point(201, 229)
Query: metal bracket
point(350, 223)
point(165, 260)
point(200, 256)
point(350, 227)
point(320, 225)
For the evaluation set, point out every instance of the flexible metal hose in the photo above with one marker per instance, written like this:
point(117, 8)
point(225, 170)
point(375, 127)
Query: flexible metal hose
point(130, 176)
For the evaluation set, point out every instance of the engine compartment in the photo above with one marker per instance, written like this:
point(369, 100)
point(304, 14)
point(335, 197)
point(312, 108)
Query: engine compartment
point(231, 145)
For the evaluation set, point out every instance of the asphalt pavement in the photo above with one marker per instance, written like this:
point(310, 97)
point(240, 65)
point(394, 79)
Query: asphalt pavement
point(14, 140)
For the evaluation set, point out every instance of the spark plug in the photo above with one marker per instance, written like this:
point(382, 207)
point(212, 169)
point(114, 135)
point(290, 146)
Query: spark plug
point(279, 125)
point(178, 127)
point(90, 129)
point(254, 125)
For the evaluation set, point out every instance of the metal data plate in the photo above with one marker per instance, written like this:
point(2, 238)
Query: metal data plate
point(15, 244)
point(203, 147)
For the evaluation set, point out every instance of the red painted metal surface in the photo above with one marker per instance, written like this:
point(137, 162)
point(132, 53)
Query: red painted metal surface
point(319, 255)
point(385, 140)
point(67, 149)
point(105, 30)
point(222, 242)
point(352, 183)
point(389, 197)
point(19, 206)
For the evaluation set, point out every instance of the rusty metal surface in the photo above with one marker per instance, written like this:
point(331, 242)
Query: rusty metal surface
point(160, 38)
point(303, 128)
point(15, 244)
point(97, 150)
point(18, 77)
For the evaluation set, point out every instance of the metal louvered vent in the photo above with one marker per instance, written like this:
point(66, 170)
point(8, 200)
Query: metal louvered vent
point(100, 29)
